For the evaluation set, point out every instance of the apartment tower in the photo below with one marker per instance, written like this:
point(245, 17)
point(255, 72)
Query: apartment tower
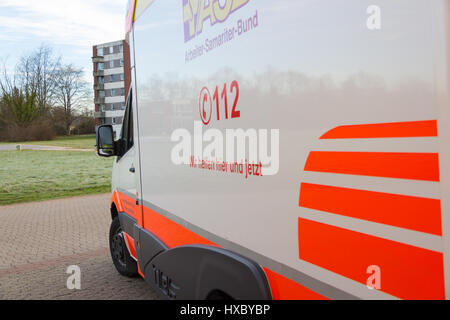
point(111, 82)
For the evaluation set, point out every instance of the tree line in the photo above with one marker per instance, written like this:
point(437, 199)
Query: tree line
point(43, 97)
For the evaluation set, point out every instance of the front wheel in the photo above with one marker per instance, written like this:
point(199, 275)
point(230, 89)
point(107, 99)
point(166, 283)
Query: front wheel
point(122, 259)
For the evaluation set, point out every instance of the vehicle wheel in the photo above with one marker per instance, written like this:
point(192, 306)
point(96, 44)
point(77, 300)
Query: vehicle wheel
point(219, 295)
point(122, 260)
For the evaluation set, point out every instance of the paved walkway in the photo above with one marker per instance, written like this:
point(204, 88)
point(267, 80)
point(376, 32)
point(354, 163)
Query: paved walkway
point(39, 240)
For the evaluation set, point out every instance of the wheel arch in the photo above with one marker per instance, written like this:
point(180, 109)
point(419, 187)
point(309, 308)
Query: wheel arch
point(197, 271)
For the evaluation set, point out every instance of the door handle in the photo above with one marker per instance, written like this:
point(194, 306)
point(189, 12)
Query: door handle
point(132, 170)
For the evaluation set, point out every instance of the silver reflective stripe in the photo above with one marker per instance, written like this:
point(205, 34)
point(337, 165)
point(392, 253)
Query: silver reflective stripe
point(128, 194)
point(410, 237)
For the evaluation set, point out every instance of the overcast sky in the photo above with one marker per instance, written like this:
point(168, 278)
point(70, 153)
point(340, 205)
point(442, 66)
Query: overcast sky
point(71, 27)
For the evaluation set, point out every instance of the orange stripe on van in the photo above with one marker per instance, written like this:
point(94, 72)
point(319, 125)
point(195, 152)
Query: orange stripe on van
point(169, 232)
point(116, 200)
point(384, 130)
point(286, 289)
point(414, 166)
point(414, 213)
point(130, 244)
point(128, 205)
point(407, 272)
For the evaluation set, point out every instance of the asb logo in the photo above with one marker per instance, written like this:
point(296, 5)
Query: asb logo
point(195, 13)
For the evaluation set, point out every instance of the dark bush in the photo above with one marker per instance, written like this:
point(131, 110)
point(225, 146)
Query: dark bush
point(59, 129)
point(37, 131)
point(41, 131)
point(85, 126)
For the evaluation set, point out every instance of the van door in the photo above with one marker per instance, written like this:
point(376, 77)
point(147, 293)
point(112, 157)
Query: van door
point(126, 163)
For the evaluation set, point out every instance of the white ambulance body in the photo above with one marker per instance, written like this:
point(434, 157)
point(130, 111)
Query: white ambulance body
point(345, 104)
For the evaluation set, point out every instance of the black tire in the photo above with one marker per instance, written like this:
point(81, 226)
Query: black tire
point(121, 258)
point(218, 295)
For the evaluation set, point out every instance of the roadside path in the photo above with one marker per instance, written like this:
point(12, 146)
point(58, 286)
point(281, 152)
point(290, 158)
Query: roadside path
point(12, 147)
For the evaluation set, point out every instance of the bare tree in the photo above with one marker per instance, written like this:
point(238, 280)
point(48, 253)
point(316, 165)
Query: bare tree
point(26, 93)
point(37, 74)
point(71, 93)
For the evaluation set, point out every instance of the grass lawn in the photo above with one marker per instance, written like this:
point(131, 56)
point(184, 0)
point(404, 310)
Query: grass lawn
point(76, 142)
point(41, 175)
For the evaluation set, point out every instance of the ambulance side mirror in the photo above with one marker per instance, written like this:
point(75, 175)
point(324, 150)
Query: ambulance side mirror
point(105, 141)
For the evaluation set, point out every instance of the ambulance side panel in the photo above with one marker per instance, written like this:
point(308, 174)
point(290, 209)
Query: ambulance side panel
point(359, 192)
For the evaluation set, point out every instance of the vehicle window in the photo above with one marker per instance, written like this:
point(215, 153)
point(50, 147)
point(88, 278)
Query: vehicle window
point(130, 141)
point(127, 136)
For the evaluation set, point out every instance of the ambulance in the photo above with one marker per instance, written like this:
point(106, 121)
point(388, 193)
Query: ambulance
point(291, 149)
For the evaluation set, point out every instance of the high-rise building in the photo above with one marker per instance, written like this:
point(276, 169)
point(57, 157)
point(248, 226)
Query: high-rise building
point(111, 82)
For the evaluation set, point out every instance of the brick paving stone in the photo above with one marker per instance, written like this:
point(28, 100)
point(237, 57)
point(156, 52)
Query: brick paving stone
point(39, 240)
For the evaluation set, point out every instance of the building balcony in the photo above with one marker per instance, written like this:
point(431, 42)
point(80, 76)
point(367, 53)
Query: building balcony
point(98, 59)
point(99, 86)
point(99, 100)
point(99, 73)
